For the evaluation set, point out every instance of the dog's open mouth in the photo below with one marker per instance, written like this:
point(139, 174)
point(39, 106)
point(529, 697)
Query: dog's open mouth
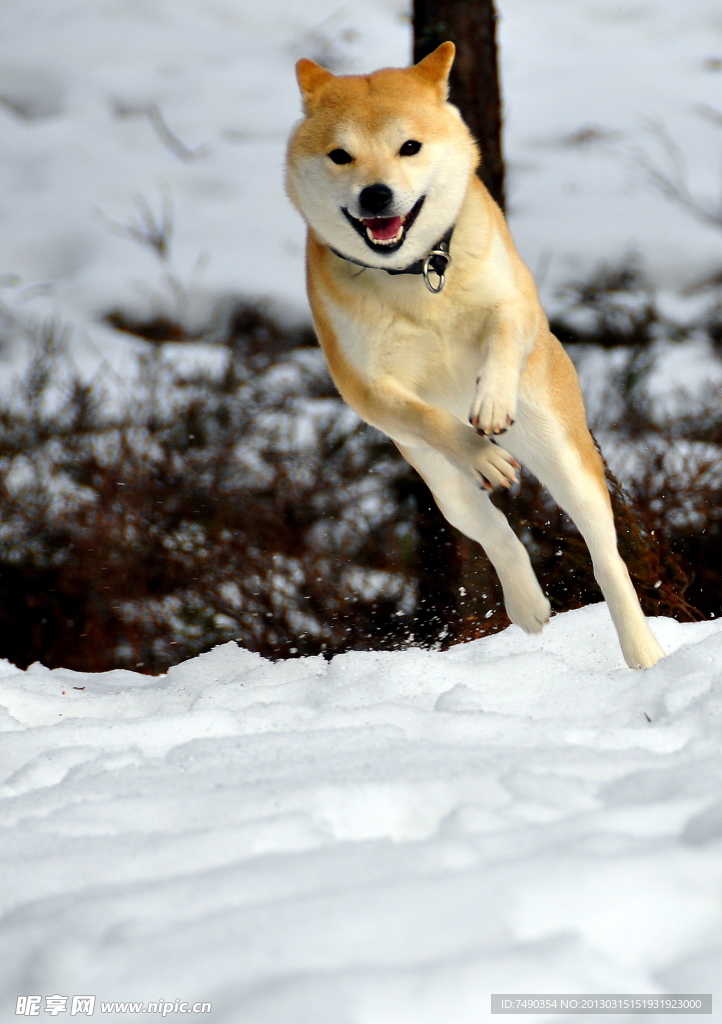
point(385, 234)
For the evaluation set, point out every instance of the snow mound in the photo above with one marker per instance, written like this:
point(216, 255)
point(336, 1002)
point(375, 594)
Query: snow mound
point(385, 837)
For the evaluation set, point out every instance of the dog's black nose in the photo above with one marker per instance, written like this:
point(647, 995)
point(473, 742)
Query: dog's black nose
point(374, 198)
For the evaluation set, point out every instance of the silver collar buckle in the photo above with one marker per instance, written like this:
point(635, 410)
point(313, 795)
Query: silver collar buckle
point(426, 268)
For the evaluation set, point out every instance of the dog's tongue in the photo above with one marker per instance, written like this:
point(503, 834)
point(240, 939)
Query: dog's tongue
point(384, 227)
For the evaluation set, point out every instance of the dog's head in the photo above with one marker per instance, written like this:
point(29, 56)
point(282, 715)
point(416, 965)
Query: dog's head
point(380, 164)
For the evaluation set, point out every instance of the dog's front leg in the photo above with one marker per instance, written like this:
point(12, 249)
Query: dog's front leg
point(414, 423)
point(508, 339)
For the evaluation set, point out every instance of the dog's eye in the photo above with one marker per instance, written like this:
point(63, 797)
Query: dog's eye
point(340, 156)
point(410, 148)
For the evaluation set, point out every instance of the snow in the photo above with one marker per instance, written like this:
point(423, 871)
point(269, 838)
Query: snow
point(78, 145)
point(388, 836)
point(105, 101)
point(610, 74)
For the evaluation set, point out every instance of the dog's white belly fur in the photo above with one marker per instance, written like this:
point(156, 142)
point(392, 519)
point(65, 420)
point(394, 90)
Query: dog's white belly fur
point(436, 362)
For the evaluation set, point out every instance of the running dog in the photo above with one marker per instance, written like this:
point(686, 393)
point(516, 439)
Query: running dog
point(432, 327)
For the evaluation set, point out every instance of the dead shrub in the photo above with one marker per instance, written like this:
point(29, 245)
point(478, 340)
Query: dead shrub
point(248, 503)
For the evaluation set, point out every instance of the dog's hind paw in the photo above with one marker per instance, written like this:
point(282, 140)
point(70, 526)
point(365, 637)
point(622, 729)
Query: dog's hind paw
point(643, 652)
point(530, 611)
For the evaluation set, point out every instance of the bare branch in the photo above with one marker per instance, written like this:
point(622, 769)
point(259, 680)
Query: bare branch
point(153, 232)
point(171, 141)
point(160, 126)
point(672, 181)
point(709, 114)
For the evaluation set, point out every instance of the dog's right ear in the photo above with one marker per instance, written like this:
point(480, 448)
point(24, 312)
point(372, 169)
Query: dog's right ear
point(311, 77)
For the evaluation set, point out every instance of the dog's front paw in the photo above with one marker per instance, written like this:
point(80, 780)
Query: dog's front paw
point(491, 466)
point(494, 408)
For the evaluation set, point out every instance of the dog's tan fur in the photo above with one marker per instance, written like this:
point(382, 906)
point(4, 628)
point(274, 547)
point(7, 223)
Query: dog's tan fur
point(423, 367)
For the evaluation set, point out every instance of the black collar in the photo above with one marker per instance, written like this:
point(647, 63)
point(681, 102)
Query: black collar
point(437, 260)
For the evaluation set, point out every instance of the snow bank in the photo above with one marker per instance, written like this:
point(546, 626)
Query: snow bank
point(385, 838)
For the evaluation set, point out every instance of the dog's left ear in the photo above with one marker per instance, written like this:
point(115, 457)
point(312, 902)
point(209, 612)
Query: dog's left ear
point(435, 68)
point(311, 77)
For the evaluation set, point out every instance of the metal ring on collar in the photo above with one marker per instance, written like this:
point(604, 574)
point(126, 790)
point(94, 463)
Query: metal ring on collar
point(427, 266)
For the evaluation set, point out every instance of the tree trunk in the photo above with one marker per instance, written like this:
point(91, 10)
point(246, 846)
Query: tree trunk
point(471, 25)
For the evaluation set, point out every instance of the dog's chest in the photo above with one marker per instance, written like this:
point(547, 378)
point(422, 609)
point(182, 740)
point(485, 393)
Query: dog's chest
point(433, 355)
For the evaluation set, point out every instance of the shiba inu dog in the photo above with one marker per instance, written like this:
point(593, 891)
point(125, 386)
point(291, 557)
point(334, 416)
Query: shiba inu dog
point(432, 327)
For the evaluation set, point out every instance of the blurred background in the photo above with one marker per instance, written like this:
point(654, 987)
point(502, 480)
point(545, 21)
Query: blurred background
point(177, 468)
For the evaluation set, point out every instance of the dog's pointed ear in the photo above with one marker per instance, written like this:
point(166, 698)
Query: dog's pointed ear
point(435, 68)
point(311, 77)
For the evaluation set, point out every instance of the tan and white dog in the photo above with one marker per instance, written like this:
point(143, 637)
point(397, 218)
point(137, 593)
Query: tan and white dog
point(382, 168)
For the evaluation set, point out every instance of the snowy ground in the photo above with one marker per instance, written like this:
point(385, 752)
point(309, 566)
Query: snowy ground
point(388, 838)
point(585, 84)
point(383, 839)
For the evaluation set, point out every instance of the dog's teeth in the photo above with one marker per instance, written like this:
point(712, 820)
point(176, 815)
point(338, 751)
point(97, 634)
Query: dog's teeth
point(385, 241)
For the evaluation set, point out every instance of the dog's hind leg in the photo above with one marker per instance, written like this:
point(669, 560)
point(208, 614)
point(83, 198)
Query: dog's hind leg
point(468, 508)
point(551, 437)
